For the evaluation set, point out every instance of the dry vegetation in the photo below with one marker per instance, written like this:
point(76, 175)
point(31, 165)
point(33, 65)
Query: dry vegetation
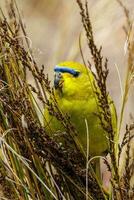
point(34, 165)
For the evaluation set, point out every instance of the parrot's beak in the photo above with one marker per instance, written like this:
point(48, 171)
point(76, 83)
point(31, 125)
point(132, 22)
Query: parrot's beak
point(58, 81)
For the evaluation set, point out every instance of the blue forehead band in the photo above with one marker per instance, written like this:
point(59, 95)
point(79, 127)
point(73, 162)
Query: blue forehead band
point(63, 69)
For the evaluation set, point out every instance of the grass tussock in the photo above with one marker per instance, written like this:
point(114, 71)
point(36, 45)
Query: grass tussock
point(33, 164)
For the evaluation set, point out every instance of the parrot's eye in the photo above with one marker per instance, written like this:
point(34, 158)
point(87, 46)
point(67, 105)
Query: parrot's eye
point(57, 79)
point(59, 75)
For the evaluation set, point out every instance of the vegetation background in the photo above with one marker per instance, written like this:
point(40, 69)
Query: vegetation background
point(54, 27)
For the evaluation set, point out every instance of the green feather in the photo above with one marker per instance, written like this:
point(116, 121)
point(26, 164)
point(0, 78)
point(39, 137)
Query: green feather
point(78, 99)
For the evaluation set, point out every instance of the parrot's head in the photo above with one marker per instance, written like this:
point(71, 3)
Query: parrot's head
point(71, 79)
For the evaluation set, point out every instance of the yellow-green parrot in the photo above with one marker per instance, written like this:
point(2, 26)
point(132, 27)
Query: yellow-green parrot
point(75, 94)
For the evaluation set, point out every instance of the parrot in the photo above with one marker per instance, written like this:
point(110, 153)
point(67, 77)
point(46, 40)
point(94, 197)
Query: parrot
point(74, 88)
